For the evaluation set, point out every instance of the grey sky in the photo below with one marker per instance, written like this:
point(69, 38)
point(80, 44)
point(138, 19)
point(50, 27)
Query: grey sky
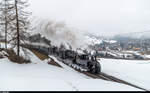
point(105, 17)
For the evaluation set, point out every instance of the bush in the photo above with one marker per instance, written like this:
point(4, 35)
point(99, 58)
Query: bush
point(12, 56)
point(3, 54)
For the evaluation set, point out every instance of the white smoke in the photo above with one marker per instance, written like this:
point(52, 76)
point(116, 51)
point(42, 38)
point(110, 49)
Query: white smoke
point(59, 34)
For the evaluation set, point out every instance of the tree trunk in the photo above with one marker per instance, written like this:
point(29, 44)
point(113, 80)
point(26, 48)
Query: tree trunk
point(5, 27)
point(18, 34)
point(6, 35)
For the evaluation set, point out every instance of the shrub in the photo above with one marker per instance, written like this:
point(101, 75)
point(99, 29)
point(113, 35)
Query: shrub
point(12, 56)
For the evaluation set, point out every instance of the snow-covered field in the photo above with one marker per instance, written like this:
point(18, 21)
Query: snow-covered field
point(135, 72)
point(39, 76)
point(148, 56)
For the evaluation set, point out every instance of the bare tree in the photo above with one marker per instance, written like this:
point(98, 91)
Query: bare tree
point(21, 23)
point(5, 11)
point(15, 21)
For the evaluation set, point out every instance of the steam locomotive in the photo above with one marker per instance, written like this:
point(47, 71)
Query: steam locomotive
point(83, 62)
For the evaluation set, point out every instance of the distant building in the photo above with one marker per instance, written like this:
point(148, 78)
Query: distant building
point(137, 49)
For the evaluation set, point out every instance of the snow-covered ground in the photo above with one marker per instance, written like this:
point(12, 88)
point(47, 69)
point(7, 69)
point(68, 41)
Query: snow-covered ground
point(93, 40)
point(135, 72)
point(148, 56)
point(2, 45)
point(39, 76)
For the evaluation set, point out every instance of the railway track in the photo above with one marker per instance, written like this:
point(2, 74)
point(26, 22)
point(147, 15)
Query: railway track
point(114, 79)
point(104, 76)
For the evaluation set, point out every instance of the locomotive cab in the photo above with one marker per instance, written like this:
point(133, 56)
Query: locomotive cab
point(82, 60)
point(67, 54)
point(84, 57)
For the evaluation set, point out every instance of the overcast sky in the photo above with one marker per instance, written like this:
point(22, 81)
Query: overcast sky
point(105, 17)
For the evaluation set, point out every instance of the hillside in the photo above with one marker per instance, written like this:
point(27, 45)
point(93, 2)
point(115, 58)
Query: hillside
point(41, 76)
point(135, 35)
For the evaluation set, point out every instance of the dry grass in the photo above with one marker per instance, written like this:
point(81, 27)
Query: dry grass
point(12, 56)
point(1, 56)
point(40, 55)
point(44, 57)
point(52, 62)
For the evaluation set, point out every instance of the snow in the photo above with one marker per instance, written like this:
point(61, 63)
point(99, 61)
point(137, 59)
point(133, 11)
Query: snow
point(3, 53)
point(2, 45)
point(39, 76)
point(126, 54)
point(35, 76)
point(133, 71)
point(147, 56)
point(99, 85)
point(110, 41)
point(93, 40)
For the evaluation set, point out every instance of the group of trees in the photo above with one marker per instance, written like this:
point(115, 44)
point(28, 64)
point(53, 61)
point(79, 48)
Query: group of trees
point(14, 21)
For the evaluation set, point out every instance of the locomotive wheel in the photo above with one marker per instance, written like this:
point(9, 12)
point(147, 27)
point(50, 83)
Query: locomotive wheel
point(98, 68)
point(93, 70)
